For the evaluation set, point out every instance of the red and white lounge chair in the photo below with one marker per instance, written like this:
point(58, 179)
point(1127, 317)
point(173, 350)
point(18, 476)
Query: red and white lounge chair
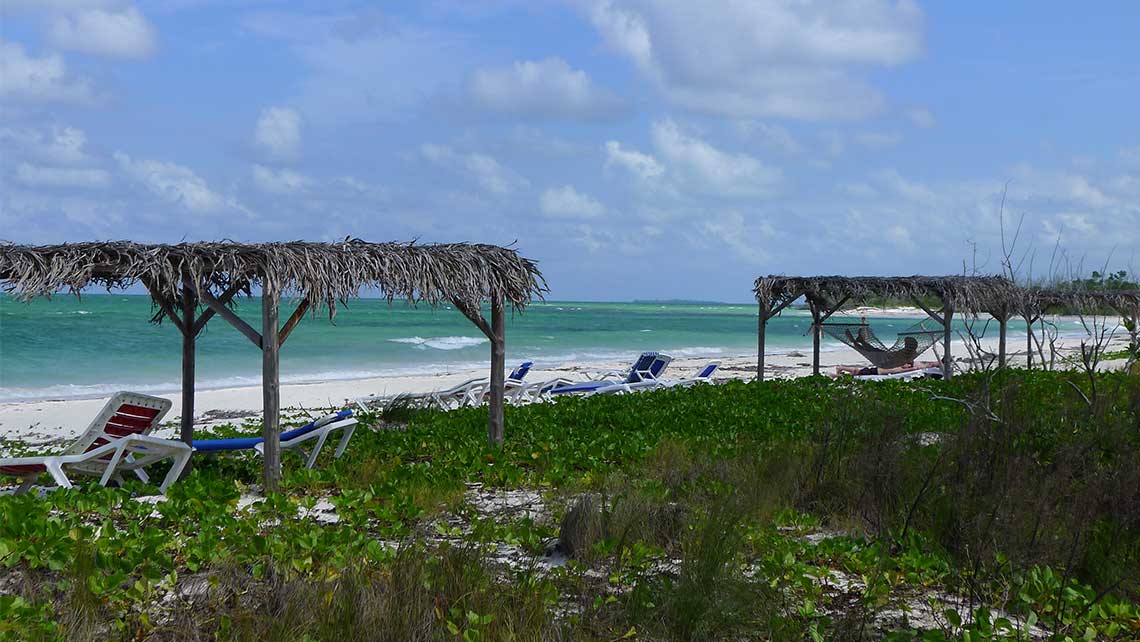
point(117, 440)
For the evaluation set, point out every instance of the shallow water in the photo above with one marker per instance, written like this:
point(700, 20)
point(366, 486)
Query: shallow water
point(67, 347)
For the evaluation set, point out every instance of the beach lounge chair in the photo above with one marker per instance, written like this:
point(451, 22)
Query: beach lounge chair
point(512, 385)
point(648, 367)
point(470, 392)
point(295, 439)
point(920, 373)
point(475, 394)
point(117, 440)
point(417, 399)
point(704, 375)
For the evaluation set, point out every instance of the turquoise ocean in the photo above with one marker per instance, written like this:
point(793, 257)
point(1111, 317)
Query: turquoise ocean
point(69, 347)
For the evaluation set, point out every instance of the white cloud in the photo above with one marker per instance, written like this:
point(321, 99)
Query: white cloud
point(548, 88)
point(77, 177)
point(625, 31)
point(1077, 222)
point(922, 117)
point(770, 135)
point(282, 181)
point(567, 202)
point(911, 190)
point(899, 236)
point(862, 190)
point(733, 231)
point(123, 33)
point(710, 170)
point(1059, 185)
point(45, 80)
point(487, 172)
point(175, 183)
point(40, 6)
point(278, 133)
point(877, 140)
point(1080, 190)
point(365, 66)
point(642, 165)
point(59, 146)
point(763, 57)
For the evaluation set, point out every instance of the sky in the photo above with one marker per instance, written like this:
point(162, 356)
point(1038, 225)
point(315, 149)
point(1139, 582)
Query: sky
point(636, 149)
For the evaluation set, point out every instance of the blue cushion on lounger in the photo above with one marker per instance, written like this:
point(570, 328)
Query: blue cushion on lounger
point(586, 386)
point(245, 443)
point(235, 443)
point(520, 372)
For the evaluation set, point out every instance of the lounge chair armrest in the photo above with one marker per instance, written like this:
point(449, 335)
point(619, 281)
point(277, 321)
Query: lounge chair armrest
point(173, 444)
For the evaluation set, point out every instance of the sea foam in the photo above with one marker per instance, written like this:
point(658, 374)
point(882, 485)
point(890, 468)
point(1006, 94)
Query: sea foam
point(440, 343)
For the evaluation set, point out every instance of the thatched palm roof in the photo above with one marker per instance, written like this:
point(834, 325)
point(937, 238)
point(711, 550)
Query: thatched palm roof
point(1038, 300)
point(323, 273)
point(973, 293)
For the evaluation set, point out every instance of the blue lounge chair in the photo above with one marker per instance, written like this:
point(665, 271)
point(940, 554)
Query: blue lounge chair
point(648, 367)
point(520, 372)
point(293, 439)
point(704, 375)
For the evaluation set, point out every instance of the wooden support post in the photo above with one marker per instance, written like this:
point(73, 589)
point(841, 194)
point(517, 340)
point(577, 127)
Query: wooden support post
point(761, 329)
point(498, 369)
point(766, 313)
point(1003, 321)
point(816, 334)
point(947, 318)
point(189, 337)
point(271, 406)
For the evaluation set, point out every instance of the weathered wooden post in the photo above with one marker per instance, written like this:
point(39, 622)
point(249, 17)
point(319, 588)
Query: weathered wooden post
point(1003, 321)
point(498, 372)
point(270, 383)
point(761, 328)
point(189, 337)
point(947, 317)
point(816, 332)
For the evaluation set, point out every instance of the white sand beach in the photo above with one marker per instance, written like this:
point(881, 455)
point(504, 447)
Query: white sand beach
point(38, 422)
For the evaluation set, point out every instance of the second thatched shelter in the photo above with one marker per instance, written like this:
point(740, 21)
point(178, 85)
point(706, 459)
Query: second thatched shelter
point(825, 295)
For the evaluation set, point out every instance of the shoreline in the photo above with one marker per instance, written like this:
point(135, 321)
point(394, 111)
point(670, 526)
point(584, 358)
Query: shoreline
point(46, 421)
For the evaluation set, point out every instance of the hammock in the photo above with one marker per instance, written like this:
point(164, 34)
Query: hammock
point(910, 342)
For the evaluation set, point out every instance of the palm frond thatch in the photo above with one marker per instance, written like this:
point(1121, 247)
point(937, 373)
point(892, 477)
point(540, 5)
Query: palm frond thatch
point(969, 293)
point(322, 273)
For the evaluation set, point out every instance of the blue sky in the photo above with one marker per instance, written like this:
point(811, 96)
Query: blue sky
point(637, 149)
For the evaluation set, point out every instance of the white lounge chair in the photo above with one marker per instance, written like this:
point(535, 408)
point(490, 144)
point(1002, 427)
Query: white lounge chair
point(415, 399)
point(294, 439)
point(117, 440)
point(469, 393)
point(647, 368)
point(704, 375)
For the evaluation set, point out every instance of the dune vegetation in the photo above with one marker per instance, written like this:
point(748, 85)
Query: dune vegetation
point(998, 506)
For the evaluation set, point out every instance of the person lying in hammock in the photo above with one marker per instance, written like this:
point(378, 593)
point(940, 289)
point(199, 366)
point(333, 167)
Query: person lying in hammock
point(861, 336)
point(860, 342)
point(860, 371)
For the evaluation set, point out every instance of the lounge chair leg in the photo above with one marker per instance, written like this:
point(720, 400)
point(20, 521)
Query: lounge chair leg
point(180, 461)
point(348, 430)
point(56, 472)
point(142, 475)
point(312, 459)
point(111, 465)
